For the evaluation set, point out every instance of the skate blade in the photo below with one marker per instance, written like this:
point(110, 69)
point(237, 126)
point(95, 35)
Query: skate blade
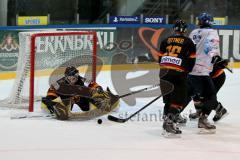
point(170, 135)
point(225, 115)
point(181, 124)
point(206, 131)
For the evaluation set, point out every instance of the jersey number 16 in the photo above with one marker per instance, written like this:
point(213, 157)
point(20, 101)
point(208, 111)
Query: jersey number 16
point(173, 51)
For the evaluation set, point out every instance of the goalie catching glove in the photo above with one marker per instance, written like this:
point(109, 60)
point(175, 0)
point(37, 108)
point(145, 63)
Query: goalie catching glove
point(101, 99)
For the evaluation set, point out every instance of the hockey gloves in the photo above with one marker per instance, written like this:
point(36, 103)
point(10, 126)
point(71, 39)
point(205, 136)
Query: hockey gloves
point(217, 61)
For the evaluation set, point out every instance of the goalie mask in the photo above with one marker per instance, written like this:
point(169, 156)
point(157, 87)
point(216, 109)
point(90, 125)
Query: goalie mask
point(71, 75)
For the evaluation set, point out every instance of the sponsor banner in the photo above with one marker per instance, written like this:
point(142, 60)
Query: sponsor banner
point(220, 20)
point(124, 20)
point(106, 41)
point(122, 45)
point(32, 20)
point(154, 20)
point(9, 48)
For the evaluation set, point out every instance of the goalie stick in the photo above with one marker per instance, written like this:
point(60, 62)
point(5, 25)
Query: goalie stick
point(27, 115)
point(121, 120)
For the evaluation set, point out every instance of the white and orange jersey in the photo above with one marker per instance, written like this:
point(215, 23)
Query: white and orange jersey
point(207, 44)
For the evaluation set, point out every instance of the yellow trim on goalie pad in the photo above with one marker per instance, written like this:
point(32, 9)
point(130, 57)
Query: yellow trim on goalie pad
point(85, 115)
point(93, 113)
point(58, 100)
point(44, 108)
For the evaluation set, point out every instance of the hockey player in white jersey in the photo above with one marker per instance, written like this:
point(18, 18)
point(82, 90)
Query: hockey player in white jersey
point(208, 51)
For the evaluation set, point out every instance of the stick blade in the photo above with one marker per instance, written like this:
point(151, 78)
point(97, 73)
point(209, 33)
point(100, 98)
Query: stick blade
point(115, 119)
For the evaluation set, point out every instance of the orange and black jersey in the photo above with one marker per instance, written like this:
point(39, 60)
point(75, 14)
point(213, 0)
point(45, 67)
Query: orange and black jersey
point(177, 52)
point(80, 82)
point(216, 72)
point(52, 90)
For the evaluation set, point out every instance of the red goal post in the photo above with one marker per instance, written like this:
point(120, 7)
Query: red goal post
point(32, 58)
point(48, 49)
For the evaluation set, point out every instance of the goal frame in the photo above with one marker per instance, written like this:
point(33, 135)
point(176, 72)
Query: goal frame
point(32, 58)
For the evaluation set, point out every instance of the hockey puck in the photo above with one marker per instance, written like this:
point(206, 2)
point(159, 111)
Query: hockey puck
point(99, 121)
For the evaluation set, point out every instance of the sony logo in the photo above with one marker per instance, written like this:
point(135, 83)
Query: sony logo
point(153, 20)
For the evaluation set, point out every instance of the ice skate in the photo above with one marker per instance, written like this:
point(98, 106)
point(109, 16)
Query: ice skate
point(221, 113)
point(180, 120)
point(193, 116)
point(170, 130)
point(204, 126)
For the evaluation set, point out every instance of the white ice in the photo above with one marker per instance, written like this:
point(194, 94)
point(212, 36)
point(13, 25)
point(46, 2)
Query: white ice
point(139, 138)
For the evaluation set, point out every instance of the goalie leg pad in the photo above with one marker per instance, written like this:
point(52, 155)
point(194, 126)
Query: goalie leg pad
point(102, 100)
point(47, 105)
point(84, 104)
point(62, 111)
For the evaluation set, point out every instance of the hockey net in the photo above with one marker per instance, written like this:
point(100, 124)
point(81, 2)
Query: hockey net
point(43, 57)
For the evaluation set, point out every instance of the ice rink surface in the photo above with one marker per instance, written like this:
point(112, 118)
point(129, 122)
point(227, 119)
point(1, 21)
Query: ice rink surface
point(139, 138)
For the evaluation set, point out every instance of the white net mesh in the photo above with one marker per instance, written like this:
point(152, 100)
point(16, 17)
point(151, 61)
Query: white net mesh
point(50, 53)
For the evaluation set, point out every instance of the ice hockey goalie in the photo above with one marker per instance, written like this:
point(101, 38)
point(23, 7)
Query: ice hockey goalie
point(69, 90)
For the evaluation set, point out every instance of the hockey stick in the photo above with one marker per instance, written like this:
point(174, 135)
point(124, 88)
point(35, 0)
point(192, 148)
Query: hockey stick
point(230, 70)
point(230, 65)
point(69, 90)
point(121, 120)
point(141, 90)
point(24, 116)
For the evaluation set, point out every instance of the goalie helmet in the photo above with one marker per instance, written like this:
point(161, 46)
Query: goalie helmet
point(180, 26)
point(70, 71)
point(205, 20)
point(71, 75)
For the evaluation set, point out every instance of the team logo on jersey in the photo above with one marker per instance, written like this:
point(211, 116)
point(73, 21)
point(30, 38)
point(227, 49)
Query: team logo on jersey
point(211, 44)
point(171, 60)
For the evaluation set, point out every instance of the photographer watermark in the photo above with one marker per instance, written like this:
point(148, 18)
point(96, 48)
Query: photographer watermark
point(156, 116)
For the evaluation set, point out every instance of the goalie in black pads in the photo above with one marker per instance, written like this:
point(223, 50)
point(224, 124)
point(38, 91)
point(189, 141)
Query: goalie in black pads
point(70, 90)
point(177, 58)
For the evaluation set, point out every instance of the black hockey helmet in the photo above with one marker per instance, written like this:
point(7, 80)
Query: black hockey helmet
point(180, 26)
point(71, 71)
